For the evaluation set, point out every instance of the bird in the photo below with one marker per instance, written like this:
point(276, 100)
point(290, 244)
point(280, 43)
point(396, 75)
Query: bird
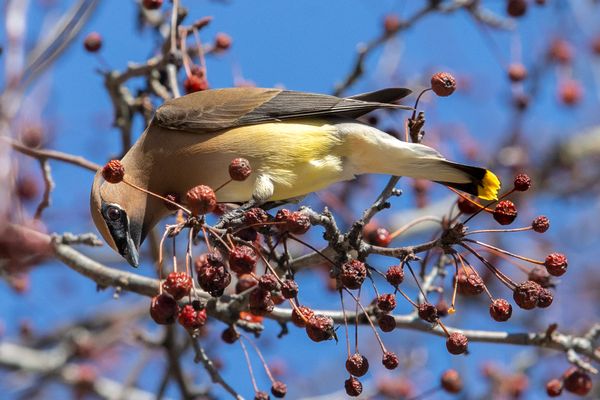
point(296, 142)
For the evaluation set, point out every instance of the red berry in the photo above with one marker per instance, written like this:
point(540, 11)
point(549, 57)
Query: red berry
point(505, 212)
point(387, 323)
point(540, 275)
point(297, 314)
point(353, 387)
point(320, 328)
point(352, 274)
point(239, 169)
point(457, 343)
point(391, 23)
point(152, 4)
point(242, 259)
point(92, 42)
point(163, 309)
point(516, 8)
point(540, 224)
point(467, 207)
point(260, 302)
point(561, 51)
point(177, 284)
point(576, 381)
point(113, 171)
point(556, 264)
point(500, 310)
point(212, 275)
point(451, 381)
point(390, 360)
point(554, 388)
point(517, 72)
point(191, 319)
point(194, 83)
point(395, 275)
point(386, 302)
point(230, 335)
point(255, 216)
point(377, 236)
point(201, 200)
point(469, 284)
point(545, 298)
point(443, 84)
point(357, 364)
point(526, 294)
point(522, 182)
point(279, 389)
point(244, 282)
point(222, 41)
point(427, 312)
point(289, 289)
point(261, 396)
point(295, 222)
point(570, 92)
point(268, 282)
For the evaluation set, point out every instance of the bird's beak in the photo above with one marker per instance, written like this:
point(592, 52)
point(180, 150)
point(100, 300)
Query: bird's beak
point(130, 252)
point(127, 241)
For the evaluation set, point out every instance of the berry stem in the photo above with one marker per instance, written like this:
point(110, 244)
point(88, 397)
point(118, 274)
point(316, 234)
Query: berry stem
point(525, 228)
point(414, 114)
point(417, 221)
point(508, 253)
point(345, 322)
point(368, 319)
point(463, 261)
point(503, 278)
point(312, 248)
point(259, 353)
point(223, 185)
point(249, 365)
point(182, 208)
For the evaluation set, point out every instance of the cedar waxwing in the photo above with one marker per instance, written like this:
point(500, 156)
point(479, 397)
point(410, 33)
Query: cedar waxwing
point(297, 143)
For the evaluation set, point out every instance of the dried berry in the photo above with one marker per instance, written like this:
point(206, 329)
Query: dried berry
point(92, 42)
point(177, 284)
point(295, 222)
point(357, 364)
point(395, 275)
point(540, 275)
point(320, 328)
point(505, 212)
point(298, 314)
point(390, 360)
point(152, 4)
point(247, 234)
point(261, 395)
point(554, 388)
point(268, 282)
point(113, 171)
point(576, 381)
point(242, 259)
point(500, 310)
point(561, 51)
point(352, 274)
point(239, 169)
point(457, 343)
point(540, 224)
point(526, 294)
point(442, 308)
point(260, 302)
point(279, 389)
point(353, 387)
point(570, 92)
point(516, 8)
point(386, 302)
point(522, 182)
point(212, 275)
point(517, 72)
point(289, 289)
point(377, 236)
point(467, 207)
point(255, 216)
point(556, 264)
point(191, 319)
point(230, 335)
point(222, 41)
point(451, 381)
point(163, 309)
point(245, 282)
point(443, 84)
point(391, 23)
point(194, 83)
point(427, 312)
point(469, 284)
point(387, 323)
point(545, 298)
point(201, 200)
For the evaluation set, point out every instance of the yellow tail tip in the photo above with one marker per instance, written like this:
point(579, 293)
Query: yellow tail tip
point(490, 185)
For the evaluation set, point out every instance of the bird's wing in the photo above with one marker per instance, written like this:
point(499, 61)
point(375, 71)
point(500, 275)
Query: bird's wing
point(212, 110)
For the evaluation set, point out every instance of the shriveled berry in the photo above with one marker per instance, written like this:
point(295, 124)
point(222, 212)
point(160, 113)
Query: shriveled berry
point(113, 171)
point(222, 41)
point(505, 212)
point(427, 312)
point(260, 395)
point(500, 310)
point(279, 389)
point(152, 4)
point(443, 84)
point(526, 294)
point(268, 282)
point(255, 216)
point(467, 207)
point(561, 51)
point(277, 298)
point(395, 275)
point(298, 314)
point(357, 364)
point(469, 284)
point(556, 264)
point(517, 72)
point(442, 307)
point(194, 83)
point(260, 302)
point(177, 284)
point(191, 319)
point(540, 275)
point(247, 234)
point(457, 343)
point(245, 282)
point(201, 200)
point(554, 388)
point(516, 8)
point(353, 387)
point(391, 23)
point(570, 92)
point(289, 289)
point(239, 169)
point(295, 222)
point(386, 302)
point(576, 381)
point(377, 236)
point(387, 323)
point(390, 360)
point(522, 182)
point(92, 42)
point(545, 298)
point(163, 309)
point(451, 381)
point(242, 259)
point(230, 335)
point(212, 275)
point(540, 224)
point(352, 274)
point(320, 328)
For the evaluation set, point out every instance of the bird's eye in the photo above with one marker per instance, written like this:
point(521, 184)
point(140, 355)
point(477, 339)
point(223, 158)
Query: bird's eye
point(113, 213)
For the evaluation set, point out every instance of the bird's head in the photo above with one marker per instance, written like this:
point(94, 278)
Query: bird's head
point(118, 211)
